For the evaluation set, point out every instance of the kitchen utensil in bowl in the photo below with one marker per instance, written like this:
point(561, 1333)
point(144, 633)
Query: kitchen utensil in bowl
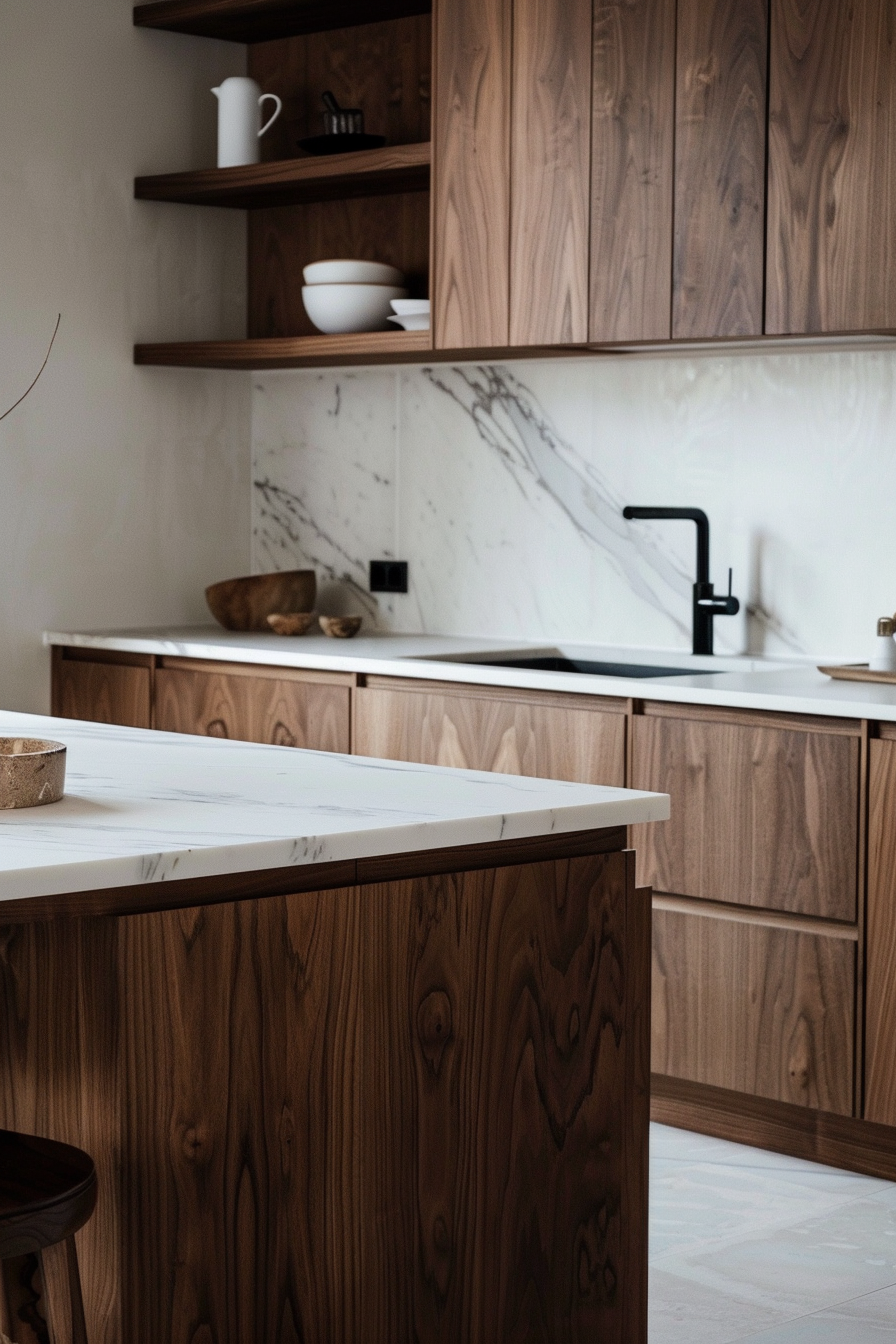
point(245, 604)
point(32, 772)
point(348, 272)
point(337, 309)
point(340, 627)
point(343, 131)
point(341, 120)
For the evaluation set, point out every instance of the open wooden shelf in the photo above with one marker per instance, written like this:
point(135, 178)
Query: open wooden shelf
point(368, 172)
point(263, 20)
point(291, 352)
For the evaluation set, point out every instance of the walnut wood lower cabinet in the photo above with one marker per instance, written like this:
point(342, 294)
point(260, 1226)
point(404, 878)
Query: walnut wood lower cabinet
point(253, 704)
point(754, 1008)
point(880, 998)
point(410, 1110)
point(116, 688)
point(547, 736)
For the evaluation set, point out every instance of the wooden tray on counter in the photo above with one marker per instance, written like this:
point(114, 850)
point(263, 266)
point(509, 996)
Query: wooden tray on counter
point(859, 672)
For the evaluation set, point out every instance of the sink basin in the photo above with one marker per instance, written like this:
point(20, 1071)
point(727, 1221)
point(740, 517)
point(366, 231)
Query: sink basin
point(583, 667)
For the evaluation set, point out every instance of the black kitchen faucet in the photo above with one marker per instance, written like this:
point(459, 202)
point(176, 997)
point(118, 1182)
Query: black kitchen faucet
point(706, 604)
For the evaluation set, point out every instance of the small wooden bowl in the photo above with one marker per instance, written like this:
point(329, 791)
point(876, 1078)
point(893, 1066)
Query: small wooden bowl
point(32, 772)
point(341, 627)
point(246, 604)
point(292, 623)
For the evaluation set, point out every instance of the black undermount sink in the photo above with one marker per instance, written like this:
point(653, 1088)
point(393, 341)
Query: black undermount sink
point(558, 664)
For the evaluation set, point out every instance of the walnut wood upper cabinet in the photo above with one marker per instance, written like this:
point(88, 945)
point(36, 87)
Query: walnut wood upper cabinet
point(511, 172)
point(253, 704)
point(546, 736)
point(632, 170)
point(880, 967)
point(102, 687)
point(720, 168)
point(765, 809)
point(471, 173)
point(832, 203)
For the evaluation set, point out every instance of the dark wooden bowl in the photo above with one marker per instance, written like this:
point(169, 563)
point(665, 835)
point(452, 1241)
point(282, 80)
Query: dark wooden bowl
point(246, 604)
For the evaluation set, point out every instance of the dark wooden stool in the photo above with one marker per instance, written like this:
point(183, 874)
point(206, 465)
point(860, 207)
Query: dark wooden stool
point(47, 1191)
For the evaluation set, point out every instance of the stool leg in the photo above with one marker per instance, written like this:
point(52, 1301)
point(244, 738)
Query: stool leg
point(62, 1293)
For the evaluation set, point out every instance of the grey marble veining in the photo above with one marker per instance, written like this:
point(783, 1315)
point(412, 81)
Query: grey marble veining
point(503, 486)
point(145, 807)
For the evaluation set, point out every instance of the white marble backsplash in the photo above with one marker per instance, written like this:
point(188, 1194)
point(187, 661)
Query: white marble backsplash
point(503, 487)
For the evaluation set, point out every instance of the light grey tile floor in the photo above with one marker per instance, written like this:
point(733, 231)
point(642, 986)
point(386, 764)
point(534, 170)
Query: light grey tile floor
point(748, 1245)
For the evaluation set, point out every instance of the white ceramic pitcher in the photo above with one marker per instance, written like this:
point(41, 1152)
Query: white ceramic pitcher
point(239, 120)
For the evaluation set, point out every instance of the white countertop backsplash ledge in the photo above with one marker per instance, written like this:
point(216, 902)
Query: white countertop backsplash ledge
point(762, 684)
point(144, 807)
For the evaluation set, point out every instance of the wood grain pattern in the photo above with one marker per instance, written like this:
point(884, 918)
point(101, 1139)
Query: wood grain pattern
point(550, 171)
point(832, 206)
point(754, 1009)
point(797, 1131)
point(291, 181)
point(290, 352)
point(720, 168)
point(489, 734)
point(390, 229)
point(471, 174)
point(59, 1076)
point(101, 692)
point(412, 1111)
point(760, 817)
point(632, 170)
point(286, 713)
point(384, 68)
point(266, 20)
point(880, 989)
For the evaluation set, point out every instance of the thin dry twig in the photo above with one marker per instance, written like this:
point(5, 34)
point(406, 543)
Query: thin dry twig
point(40, 371)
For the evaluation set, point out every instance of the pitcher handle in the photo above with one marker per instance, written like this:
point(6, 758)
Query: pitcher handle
point(268, 124)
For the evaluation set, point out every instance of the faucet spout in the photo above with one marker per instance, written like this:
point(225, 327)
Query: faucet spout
point(706, 605)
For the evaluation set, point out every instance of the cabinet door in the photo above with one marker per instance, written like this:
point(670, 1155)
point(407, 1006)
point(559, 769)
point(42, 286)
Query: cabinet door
point(761, 816)
point(832, 203)
point(720, 167)
point(484, 733)
point(880, 965)
point(471, 174)
point(550, 171)
point(253, 709)
point(632, 166)
point(767, 1011)
point(102, 692)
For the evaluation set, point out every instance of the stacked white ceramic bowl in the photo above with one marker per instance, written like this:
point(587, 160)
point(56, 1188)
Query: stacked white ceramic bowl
point(411, 314)
point(345, 296)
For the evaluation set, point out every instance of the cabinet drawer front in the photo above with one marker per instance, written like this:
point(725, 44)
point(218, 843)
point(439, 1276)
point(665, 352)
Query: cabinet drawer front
point(760, 816)
point(482, 734)
point(102, 693)
point(756, 1009)
point(286, 713)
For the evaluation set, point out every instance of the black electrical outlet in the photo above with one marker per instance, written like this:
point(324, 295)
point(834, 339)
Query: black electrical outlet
point(388, 576)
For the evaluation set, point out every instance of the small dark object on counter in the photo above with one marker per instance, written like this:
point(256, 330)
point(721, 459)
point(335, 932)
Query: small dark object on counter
point(344, 131)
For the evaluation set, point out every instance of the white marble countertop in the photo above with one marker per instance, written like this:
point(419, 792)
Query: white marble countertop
point(732, 682)
point(143, 807)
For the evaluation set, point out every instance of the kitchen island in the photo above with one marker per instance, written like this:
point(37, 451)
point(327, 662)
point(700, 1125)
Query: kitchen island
point(360, 1048)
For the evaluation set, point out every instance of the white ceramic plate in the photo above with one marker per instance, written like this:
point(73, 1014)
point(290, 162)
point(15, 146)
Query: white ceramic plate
point(352, 273)
point(411, 307)
point(337, 309)
point(413, 322)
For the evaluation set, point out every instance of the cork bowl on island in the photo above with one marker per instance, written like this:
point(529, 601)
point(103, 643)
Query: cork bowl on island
point(246, 604)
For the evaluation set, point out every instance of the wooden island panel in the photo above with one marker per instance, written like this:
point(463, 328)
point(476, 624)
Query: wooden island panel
point(283, 710)
point(545, 736)
point(761, 816)
point(755, 1009)
point(412, 1111)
